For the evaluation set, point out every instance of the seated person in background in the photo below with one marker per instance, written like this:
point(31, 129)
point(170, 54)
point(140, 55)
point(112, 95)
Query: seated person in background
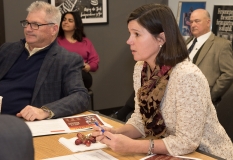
point(71, 36)
point(172, 104)
point(15, 139)
point(38, 78)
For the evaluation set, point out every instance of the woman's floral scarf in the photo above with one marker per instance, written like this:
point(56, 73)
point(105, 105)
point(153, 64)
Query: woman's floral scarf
point(150, 96)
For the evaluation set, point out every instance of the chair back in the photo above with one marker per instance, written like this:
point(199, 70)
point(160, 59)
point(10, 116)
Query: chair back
point(225, 112)
point(15, 139)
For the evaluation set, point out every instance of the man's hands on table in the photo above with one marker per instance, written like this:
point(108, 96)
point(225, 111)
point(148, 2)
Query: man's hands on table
point(31, 113)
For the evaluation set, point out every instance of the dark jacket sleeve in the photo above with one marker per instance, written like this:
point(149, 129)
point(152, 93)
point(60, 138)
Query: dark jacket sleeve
point(59, 85)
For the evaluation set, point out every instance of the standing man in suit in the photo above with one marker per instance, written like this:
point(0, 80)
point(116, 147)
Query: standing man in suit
point(212, 54)
point(38, 78)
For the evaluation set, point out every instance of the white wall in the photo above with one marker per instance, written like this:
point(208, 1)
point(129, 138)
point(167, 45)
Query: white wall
point(173, 4)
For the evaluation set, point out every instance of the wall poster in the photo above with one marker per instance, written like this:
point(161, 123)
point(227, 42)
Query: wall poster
point(91, 11)
point(184, 11)
point(222, 23)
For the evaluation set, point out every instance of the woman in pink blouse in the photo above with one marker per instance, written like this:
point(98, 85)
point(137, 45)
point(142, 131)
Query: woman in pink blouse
point(71, 36)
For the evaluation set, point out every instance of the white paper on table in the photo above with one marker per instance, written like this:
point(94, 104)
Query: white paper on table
point(47, 127)
point(90, 155)
point(68, 157)
point(70, 144)
point(55, 126)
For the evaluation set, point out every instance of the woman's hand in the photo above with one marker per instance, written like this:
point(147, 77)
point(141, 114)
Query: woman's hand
point(118, 142)
point(98, 131)
point(86, 67)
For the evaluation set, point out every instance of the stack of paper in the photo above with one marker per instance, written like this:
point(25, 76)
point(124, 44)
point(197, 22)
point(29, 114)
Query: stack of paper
point(91, 155)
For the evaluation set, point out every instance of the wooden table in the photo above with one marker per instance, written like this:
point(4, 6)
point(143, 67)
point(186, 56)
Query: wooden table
point(49, 146)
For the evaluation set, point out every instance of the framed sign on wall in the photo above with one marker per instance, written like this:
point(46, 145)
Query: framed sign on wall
point(91, 11)
point(222, 23)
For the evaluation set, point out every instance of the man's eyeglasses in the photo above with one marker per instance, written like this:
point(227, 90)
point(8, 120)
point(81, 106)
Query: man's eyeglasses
point(35, 26)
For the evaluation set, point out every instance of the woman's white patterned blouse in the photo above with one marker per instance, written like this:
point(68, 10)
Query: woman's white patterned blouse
point(189, 114)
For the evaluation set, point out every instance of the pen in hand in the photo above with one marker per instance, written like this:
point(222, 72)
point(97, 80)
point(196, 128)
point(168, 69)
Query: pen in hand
point(102, 130)
point(97, 124)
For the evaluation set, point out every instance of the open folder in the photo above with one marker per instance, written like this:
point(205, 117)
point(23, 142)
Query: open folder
point(65, 125)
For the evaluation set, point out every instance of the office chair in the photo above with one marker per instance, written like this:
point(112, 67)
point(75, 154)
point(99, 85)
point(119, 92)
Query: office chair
point(91, 104)
point(15, 139)
point(225, 112)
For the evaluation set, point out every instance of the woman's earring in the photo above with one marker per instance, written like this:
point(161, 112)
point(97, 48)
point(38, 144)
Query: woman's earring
point(160, 46)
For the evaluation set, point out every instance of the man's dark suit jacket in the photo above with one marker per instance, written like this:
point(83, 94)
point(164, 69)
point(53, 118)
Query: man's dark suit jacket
point(215, 60)
point(15, 139)
point(59, 85)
